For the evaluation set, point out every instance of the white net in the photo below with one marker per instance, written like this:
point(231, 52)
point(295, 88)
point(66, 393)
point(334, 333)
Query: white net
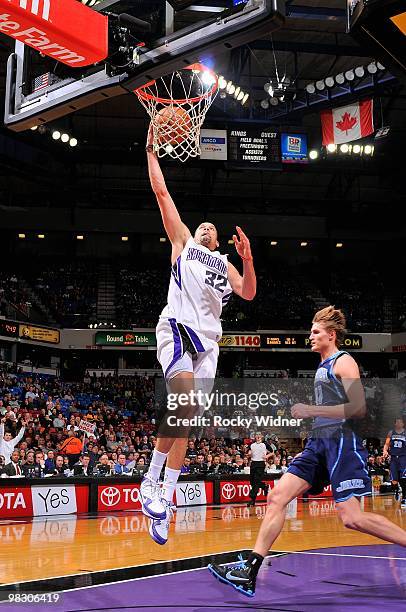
point(177, 105)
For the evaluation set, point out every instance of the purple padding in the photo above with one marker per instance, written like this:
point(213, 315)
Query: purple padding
point(295, 583)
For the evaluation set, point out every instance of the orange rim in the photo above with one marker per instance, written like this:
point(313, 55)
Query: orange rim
point(144, 95)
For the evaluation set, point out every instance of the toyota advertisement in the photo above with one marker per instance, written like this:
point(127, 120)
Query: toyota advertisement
point(43, 500)
point(234, 491)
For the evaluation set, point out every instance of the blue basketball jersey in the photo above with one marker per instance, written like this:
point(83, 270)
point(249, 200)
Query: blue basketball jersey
point(328, 389)
point(397, 444)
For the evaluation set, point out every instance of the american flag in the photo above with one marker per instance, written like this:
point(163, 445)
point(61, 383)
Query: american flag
point(43, 81)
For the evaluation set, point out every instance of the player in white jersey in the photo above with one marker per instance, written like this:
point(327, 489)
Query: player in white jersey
point(188, 330)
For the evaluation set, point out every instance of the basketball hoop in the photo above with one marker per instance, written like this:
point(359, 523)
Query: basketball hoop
point(177, 105)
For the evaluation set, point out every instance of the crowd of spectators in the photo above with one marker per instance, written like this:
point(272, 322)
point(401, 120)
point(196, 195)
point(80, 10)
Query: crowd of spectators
point(107, 425)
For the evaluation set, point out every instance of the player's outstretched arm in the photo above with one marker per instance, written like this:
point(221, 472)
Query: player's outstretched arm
point(246, 285)
point(176, 230)
point(387, 445)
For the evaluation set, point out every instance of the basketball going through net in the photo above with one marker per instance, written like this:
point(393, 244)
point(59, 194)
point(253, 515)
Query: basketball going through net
point(177, 105)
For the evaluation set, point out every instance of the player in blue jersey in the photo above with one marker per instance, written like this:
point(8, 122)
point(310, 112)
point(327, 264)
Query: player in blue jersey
point(395, 446)
point(333, 453)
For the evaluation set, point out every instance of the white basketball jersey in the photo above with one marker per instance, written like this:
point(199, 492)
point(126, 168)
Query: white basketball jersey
point(198, 289)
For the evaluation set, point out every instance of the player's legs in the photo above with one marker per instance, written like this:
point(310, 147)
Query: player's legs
point(243, 576)
point(353, 517)
point(395, 475)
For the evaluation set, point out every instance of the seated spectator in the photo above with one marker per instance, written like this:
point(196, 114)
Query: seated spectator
point(59, 469)
point(199, 466)
point(14, 467)
point(59, 421)
point(50, 462)
point(104, 467)
point(185, 468)
point(120, 467)
point(141, 461)
point(83, 467)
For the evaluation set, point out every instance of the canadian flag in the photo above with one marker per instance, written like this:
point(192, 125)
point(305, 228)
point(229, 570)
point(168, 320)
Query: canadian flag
point(347, 123)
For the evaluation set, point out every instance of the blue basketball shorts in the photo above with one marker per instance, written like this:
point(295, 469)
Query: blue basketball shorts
point(334, 454)
point(397, 467)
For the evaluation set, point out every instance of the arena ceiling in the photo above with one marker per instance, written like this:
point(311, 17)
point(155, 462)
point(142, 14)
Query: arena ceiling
point(108, 168)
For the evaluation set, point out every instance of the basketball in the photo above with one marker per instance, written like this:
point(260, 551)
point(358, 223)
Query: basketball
point(174, 125)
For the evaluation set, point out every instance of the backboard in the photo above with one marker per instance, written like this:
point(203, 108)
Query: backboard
point(146, 39)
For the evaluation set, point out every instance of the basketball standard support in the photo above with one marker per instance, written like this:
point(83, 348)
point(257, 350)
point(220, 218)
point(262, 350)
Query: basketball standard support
point(222, 32)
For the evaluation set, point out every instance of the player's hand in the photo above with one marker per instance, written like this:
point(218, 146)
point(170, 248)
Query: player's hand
point(242, 245)
point(385, 454)
point(300, 411)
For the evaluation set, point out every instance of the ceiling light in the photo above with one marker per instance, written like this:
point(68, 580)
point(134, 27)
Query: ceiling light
point(359, 71)
point(34, 127)
point(73, 142)
point(320, 85)
point(372, 68)
point(368, 150)
point(228, 86)
point(240, 96)
point(267, 87)
point(21, 236)
point(331, 148)
point(237, 91)
point(303, 244)
point(339, 245)
point(380, 66)
point(264, 104)
point(56, 135)
point(41, 236)
point(208, 78)
point(356, 149)
point(274, 243)
point(80, 237)
point(231, 242)
point(162, 239)
point(310, 88)
point(349, 75)
point(65, 138)
point(344, 148)
point(222, 82)
point(124, 238)
point(329, 81)
point(245, 98)
point(231, 90)
point(313, 154)
point(340, 79)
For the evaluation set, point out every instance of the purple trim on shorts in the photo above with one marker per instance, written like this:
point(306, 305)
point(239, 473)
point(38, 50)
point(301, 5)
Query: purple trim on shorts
point(194, 338)
point(177, 349)
point(176, 272)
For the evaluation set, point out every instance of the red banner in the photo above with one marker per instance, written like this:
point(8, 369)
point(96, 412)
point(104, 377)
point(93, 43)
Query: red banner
point(118, 497)
point(65, 30)
point(327, 492)
point(234, 491)
point(15, 502)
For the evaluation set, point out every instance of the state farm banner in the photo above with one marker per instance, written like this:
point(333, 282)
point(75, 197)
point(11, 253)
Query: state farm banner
point(118, 497)
point(53, 499)
point(194, 493)
point(234, 491)
point(347, 123)
point(65, 30)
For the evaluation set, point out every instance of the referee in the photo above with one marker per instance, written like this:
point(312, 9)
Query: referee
point(259, 454)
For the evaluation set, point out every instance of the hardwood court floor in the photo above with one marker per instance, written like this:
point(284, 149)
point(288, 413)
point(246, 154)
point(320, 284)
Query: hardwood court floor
point(62, 546)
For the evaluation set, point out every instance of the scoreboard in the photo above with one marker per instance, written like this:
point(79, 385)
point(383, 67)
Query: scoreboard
point(254, 147)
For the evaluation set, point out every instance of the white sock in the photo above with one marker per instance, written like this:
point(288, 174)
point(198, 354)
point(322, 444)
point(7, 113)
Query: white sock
point(169, 486)
point(157, 462)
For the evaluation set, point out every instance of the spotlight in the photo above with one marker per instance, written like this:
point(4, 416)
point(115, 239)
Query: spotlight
point(41, 236)
point(267, 87)
point(231, 90)
point(265, 104)
point(21, 236)
point(344, 148)
point(369, 150)
point(349, 75)
point(372, 68)
point(274, 243)
point(380, 66)
point(274, 101)
point(34, 127)
point(231, 242)
point(65, 138)
point(237, 91)
point(124, 238)
point(339, 245)
point(56, 135)
point(310, 88)
point(240, 96)
point(228, 86)
point(91, 326)
point(208, 78)
point(162, 239)
point(222, 82)
point(168, 149)
point(359, 71)
point(303, 244)
point(331, 148)
point(73, 142)
point(313, 154)
point(356, 149)
point(329, 81)
point(320, 85)
point(245, 98)
point(340, 78)
point(80, 237)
